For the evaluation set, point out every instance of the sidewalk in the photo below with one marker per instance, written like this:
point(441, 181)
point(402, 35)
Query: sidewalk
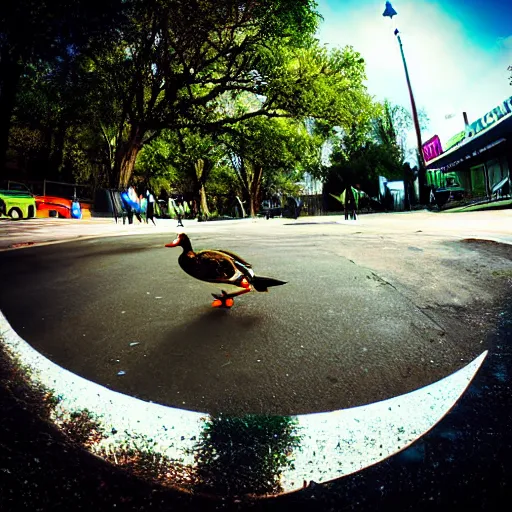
point(22, 233)
point(492, 225)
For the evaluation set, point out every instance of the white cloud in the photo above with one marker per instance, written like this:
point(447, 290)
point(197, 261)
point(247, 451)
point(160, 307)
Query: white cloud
point(505, 43)
point(449, 72)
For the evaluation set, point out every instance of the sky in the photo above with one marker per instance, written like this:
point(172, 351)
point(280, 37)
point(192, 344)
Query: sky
point(457, 54)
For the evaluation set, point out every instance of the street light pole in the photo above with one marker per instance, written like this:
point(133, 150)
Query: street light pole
point(413, 103)
point(390, 12)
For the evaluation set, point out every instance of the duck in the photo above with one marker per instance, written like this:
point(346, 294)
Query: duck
point(222, 267)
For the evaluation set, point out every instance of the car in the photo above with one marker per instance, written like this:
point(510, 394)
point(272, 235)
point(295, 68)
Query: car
point(14, 186)
point(61, 206)
point(17, 205)
point(17, 201)
point(45, 205)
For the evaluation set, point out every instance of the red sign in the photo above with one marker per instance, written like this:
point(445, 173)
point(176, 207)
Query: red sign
point(432, 148)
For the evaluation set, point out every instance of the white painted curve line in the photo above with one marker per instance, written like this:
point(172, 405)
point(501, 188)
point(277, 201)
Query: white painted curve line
point(339, 443)
point(172, 429)
point(333, 444)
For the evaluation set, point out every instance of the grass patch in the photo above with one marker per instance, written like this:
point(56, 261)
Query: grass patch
point(44, 467)
point(493, 205)
point(53, 459)
point(502, 273)
point(15, 378)
point(139, 455)
point(82, 428)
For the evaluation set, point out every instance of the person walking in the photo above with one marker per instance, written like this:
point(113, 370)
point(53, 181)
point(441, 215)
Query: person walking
point(143, 207)
point(176, 210)
point(299, 203)
point(127, 205)
point(179, 213)
point(134, 203)
point(350, 204)
point(150, 207)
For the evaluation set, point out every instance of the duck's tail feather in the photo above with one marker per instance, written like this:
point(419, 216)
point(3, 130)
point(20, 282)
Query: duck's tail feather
point(261, 284)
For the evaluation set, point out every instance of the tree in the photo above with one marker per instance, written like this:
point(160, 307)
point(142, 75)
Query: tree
point(188, 156)
point(374, 147)
point(223, 190)
point(154, 165)
point(177, 56)
point(51, 100)
point(180, 61)
point(35, 31)
point(391, 126)
point(267, 152)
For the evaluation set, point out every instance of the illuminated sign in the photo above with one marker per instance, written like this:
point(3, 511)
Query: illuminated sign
point(490, 118)
point(432, 148)
point(456, 139)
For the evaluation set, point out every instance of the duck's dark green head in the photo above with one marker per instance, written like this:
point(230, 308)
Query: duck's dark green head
point(181, 240)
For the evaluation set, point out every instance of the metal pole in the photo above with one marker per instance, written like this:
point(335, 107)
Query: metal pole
point(421, 161)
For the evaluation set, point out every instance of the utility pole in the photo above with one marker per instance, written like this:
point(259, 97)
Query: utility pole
point(390, 12)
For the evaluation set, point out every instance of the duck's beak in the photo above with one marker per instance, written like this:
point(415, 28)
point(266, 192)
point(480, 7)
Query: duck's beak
point(174, 243)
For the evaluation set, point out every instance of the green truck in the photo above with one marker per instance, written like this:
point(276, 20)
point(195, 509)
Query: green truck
point(17, 204)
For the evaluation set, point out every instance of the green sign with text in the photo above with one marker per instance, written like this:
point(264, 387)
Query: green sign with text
point(497, 113)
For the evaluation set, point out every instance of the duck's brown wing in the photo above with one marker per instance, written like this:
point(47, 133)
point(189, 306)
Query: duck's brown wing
point(210, 265)
point(243, 266)
point(236, 257)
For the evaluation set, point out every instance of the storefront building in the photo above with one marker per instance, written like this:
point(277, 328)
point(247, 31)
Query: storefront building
point(475, 164)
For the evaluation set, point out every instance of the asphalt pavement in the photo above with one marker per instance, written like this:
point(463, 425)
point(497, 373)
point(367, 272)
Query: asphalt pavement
point(372, 309)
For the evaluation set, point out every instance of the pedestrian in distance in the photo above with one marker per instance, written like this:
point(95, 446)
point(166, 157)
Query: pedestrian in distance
point(127, 205)
point(350, 204)
point(150, 207)
point(143, 207)
point(176, 210)
point(134, 203)
point(179, 213)
point(298, 207)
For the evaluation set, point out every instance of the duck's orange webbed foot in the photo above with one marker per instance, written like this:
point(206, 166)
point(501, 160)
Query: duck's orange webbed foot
point(222, 301)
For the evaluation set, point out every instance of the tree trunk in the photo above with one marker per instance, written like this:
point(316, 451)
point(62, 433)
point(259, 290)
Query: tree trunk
point(126, 158)
point(254, 191)
point(242, 207)
point(128, 165)
point(10, 72)
point(201, 176)
point(204, 205)
point(253, 207)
